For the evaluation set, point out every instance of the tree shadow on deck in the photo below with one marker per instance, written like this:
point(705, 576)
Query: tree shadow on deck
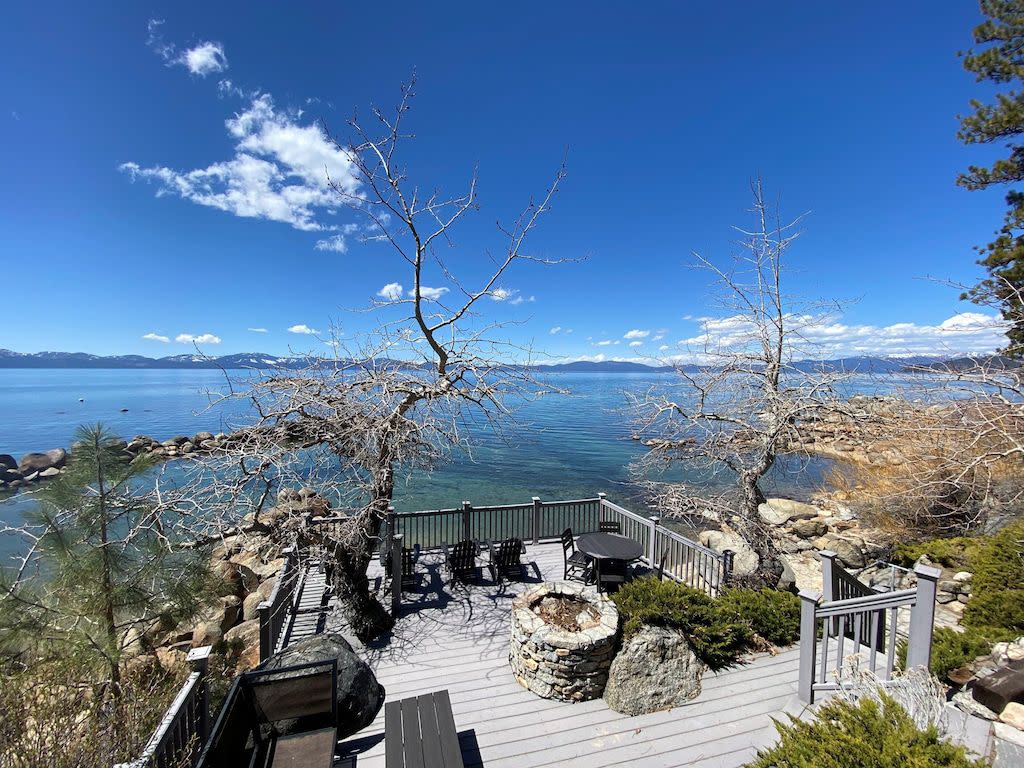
point(439, 610)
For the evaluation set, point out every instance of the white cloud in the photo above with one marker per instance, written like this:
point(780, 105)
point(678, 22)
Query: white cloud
point(391, 291)
point(520, 300)
point(303, 329)
point(258, 330)
point(430, 294)
point(203, 338)
point(202, 59)
point(826, 337)
point(555, 330)
point(226, 87)
point(156, 337)
point(636, 334)
point(663, 347)
point(334, 243)
point(636, 343)
point(608, 343)
point(658, 337)
point(500, 294)
point(279, 171)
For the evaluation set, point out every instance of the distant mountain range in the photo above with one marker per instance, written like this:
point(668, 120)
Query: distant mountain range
point(260, 360)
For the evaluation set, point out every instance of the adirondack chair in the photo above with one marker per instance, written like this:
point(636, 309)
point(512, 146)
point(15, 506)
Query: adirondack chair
point(506, 559)
point(609, 526)
point(410, 579)
point(576, 563)
point(461, 560)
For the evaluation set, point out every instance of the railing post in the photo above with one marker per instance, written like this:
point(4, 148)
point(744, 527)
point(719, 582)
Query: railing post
point(537, 509)
point(266, 631)
point(652, 546)
point(199, 660)
point(922, 618)
point(808, 644)
point(467, 520)
point(600, 508)
point(387, 535)
point(727, 558)
point(396, 573)
point(828, 575)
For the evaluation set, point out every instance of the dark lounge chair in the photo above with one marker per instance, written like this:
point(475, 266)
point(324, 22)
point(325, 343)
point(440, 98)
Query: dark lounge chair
point(576, 563)
point(275, 718)
point(506, 559)
point(461, 560)
point(609, 526)
point(420, 731)
point(410, 579)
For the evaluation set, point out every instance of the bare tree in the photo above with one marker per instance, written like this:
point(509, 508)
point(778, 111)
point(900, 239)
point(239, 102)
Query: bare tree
point(404, 395)
point(739, 397)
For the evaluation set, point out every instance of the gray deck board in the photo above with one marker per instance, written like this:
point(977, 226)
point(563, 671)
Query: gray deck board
point(456, 637)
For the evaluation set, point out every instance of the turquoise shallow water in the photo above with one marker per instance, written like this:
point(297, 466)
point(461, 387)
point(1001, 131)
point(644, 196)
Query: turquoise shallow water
point(565, 446)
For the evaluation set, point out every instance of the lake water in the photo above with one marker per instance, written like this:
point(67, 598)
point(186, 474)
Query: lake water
point(567, 446)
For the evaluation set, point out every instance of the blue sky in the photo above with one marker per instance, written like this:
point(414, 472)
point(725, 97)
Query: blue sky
point(133, 207)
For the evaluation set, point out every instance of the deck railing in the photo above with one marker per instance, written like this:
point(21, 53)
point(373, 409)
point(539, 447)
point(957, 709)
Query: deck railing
point(179, 738)
point(667, 551)
point(276, 610)
point(869, 622)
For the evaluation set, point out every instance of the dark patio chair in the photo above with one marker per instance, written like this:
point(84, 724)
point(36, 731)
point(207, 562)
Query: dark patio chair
point(277, 717)
point(576, 563)
point(609, 526)
point(461, 560)
point(506, 559)
point(611, 574)
point(410, 579)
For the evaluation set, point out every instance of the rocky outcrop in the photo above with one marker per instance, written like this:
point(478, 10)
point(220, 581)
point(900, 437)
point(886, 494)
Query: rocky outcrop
point(745, 560)
point(655, 670)
point(359, 696)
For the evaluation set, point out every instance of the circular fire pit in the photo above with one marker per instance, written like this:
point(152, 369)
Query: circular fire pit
point(563, 639)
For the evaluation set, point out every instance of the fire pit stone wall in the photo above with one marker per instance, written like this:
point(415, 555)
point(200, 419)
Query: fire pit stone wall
point(563, 662)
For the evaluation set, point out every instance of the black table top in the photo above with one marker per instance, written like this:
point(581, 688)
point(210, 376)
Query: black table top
point(609, 546)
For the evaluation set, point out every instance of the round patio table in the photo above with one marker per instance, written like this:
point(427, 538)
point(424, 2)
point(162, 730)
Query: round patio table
point(609, 546)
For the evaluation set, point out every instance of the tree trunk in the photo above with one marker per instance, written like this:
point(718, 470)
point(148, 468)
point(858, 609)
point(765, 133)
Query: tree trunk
point(756, 532)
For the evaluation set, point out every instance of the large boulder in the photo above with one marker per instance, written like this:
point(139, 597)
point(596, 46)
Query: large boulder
point(655, 670)
point(360, 696)
point(37, 462)
point(7, 461)
point(851, 550)
point(781, 511)
point(745, 559)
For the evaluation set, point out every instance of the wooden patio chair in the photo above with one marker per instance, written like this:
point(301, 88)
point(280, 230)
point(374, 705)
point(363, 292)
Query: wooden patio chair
point(461, 560)
point(576, 563)
point(611, 574)
point(277, 717)
point(609, 526)
point(410, 578)
point(506, 559)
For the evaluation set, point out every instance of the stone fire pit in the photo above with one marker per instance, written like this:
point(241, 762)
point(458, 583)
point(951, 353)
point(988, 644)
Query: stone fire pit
point(563, 640)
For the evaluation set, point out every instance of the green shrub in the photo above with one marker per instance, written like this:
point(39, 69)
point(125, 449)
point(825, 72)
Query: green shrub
point(863, 735)
point(719, 629)
point(953, 552)
point(952, 650)
point(770, 613)
point(997, 588)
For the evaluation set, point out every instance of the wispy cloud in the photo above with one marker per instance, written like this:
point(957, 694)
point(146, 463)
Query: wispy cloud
point(202, 59)
point(825, 337)
point(302, 328)
point(279, 172)
point(203, 338)
point(501, 294)
point(607, 343)
point(334, 243)
point(430, 294)
point(522, 300)
point(636, 343)
point(636, 333)
point(258, 330)
point(391, 291)
point(555, 330)
point(156, 337)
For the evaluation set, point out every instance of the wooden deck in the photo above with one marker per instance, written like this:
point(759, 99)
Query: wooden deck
point(457, 638)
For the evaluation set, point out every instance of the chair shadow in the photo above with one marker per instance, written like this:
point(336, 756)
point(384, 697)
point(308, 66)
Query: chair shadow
point(349, 751)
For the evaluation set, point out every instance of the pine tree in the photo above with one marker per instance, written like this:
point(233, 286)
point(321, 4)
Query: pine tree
point(102, 570)
point(1000, 61)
